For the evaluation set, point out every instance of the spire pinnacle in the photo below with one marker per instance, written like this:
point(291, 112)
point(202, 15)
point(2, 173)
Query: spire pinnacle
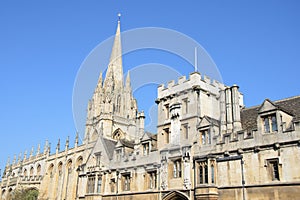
point(128, 84)
point(119, 17)
point(114, 73)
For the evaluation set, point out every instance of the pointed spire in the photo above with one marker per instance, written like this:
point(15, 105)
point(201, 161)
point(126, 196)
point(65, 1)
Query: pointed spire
point(99, 84)
point(114, 74)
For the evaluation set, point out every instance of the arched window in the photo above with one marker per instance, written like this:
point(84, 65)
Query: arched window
point(31, 171)
point(60, 168)
point(69, 166)
point(50, 170)
point(25, 172)
point(38, 170)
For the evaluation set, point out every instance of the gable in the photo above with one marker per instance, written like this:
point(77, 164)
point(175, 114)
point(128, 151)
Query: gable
point(267, 106)
point(204, 122)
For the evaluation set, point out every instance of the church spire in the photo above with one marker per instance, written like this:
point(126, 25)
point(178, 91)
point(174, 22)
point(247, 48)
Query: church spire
point(114, 74)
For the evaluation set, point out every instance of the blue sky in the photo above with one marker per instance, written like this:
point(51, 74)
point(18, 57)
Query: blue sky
point(255, 44)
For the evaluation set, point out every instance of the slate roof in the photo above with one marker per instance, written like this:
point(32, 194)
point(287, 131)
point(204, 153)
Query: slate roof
point(109, 145)
point(290, 105)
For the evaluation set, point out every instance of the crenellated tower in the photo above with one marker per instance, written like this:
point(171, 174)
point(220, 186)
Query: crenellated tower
point(112, 111)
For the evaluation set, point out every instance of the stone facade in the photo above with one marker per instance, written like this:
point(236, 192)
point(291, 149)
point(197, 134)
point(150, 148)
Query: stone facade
point(207, 146)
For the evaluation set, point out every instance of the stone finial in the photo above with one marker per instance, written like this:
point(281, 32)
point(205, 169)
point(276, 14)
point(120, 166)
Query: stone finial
point(46, 147)
point(67, 144)
point(76, 139)
point(31, 152)
point(58, 146)
point(25, 155)
point(15, 159)
point(8, 161)
point(49, 148)
point(20, 157)
point(38, 149)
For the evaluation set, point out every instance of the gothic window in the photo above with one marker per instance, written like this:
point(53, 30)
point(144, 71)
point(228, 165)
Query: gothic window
point(31, 171)
point(273, 167)
point(25, 172)
point(205, 136)
point(212, 168)
point(270, 123)
point(152, 180)
point(146, 149)
point(50, 170)
point(38, 170)
point(177, 169)
point(60, 169)
point(203, 173)
point(90, 185)
point(185, 129)
point(99, 184)
point(126, 182)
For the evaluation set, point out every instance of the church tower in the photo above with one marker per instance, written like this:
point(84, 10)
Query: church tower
point(112, 111)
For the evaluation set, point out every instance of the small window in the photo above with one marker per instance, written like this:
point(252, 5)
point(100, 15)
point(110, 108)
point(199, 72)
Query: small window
point(185, 106)
point(112, 185)
point(185, 128)
point(270, 123)
point(177, 169)
point(203, 173)
point(205, 136)
point(99, 184)
point(212, 168)
point(152, 180)
point(167, 111)
point(126, 182)
point(146, 149)
point(98, 158)
point(166, 133)
point(90, 185)
point(273, 167)
point(118, 154)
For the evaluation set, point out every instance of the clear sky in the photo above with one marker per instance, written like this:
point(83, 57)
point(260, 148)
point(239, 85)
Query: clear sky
point(255, 44)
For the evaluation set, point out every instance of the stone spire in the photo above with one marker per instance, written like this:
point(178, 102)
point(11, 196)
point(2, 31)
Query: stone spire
point(114, 74)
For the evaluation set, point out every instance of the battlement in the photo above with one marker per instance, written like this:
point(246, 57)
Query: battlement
point(202, 82)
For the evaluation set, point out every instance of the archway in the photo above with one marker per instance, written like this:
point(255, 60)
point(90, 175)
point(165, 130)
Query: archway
point(175, 196)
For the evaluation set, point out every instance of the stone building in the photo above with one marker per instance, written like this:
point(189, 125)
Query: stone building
point(207, 146)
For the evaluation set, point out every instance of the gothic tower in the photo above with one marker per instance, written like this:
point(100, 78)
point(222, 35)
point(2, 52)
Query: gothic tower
point(112, 111)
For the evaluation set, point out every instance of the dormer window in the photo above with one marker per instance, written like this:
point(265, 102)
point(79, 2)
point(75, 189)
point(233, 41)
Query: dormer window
point(205, 136)
point(146, 149)
point(118, 154)
point(270, 123)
